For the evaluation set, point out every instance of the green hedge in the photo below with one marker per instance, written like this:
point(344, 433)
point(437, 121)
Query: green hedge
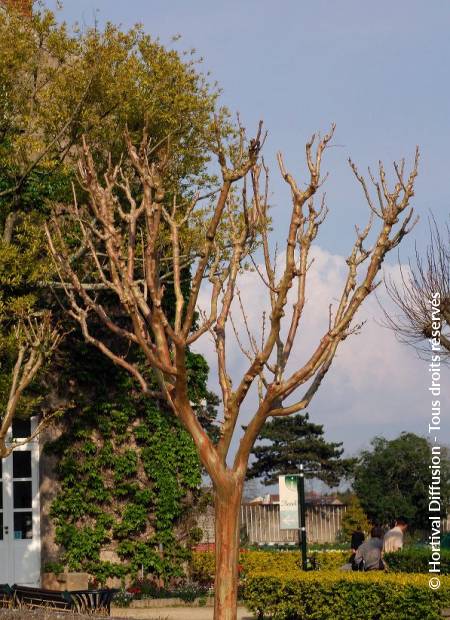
point(335, 595)
point(415, 560)
point(203, 562)
point(257, 561)
point(412, 560)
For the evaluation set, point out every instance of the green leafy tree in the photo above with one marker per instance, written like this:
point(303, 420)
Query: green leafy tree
point(294, 440)
point(57, 84)
point(392, 479)
point(353, 519)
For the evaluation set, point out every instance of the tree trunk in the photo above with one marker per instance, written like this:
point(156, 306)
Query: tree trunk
point(8, 230)
point(227, 511)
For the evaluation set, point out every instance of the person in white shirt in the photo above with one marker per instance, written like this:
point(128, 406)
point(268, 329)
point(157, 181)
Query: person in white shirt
point(393, 539)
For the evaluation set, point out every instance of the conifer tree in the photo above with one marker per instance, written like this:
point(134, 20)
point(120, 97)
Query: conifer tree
point(296, 441)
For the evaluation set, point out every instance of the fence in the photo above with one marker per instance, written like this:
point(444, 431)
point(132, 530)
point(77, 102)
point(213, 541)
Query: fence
point(260, 523)
point(446, 523)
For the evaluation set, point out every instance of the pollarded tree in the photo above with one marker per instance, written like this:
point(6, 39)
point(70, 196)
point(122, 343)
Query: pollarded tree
point(294, 440)
point(128, 221)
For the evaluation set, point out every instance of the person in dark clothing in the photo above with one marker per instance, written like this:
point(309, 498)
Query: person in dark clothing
point(369, 555)
point(357, 539)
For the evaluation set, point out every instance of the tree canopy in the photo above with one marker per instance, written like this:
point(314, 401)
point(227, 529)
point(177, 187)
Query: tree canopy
point(392, 479)
point(56, 84)
point(295, 440)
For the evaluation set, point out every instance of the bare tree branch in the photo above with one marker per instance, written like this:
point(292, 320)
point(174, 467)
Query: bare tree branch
point(36, 340)
point(425, 279)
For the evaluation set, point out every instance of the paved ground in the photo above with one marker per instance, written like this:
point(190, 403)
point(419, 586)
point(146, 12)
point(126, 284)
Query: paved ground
point(173, 613)
point(154, 613)
point(27, 614)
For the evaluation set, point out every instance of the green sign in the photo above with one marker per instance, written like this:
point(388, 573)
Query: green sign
point(288, 502)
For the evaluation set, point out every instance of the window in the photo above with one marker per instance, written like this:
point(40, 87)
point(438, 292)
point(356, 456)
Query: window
point(22, 464)
point(21, 429)
point(23, 525)
point(22, 494)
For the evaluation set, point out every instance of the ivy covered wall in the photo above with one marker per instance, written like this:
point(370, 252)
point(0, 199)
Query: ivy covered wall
point(129, 478)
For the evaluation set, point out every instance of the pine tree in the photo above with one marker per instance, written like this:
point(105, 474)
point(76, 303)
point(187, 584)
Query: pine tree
point(295, 441)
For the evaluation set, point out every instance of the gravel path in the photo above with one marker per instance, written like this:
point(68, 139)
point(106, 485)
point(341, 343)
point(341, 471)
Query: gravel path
point(173, 613)
point(120, 613)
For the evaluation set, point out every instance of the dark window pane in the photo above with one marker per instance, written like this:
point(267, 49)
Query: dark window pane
point(1, 525)
point(1, 495)
point(22, 494)
point(21, 428)
point(22, 464)
point(23, 525)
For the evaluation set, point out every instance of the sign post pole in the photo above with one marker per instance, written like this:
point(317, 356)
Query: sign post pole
point(293, 507)
point(301, 515)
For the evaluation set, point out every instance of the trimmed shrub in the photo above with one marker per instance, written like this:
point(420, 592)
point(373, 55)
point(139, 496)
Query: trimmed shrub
point(257, 561)
point(332, 595)
point(268, 561)
point(411, 560)
point(330, 560)
point(415, 560)
point(203, 563)
point(202, 567)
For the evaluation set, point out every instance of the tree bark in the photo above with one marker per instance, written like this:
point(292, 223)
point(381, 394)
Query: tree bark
point(8, 230)
point(227, 512)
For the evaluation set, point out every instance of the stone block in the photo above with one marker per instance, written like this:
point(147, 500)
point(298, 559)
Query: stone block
point(65, 581)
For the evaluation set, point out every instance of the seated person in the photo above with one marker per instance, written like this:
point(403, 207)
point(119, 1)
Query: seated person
point(368, 556)
point(393, 540)
point(357, 539)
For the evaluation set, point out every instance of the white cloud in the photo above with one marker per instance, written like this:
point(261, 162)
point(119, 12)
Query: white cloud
point(375, 385)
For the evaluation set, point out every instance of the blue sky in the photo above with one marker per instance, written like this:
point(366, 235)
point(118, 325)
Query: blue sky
point(380, 71)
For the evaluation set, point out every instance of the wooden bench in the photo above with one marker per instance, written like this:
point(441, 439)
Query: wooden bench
point(92, 601)
point(81, 601)
point(37, 598)
point(6, 595)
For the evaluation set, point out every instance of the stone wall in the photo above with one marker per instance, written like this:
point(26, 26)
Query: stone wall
point(49, 487)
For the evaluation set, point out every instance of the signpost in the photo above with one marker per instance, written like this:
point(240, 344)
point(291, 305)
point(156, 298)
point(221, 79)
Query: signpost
point(302, 515)
point(293, 507)
point(288, 502)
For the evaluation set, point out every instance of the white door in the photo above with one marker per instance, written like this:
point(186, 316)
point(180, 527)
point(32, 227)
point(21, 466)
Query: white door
point(20, 546)
point(4, 531)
